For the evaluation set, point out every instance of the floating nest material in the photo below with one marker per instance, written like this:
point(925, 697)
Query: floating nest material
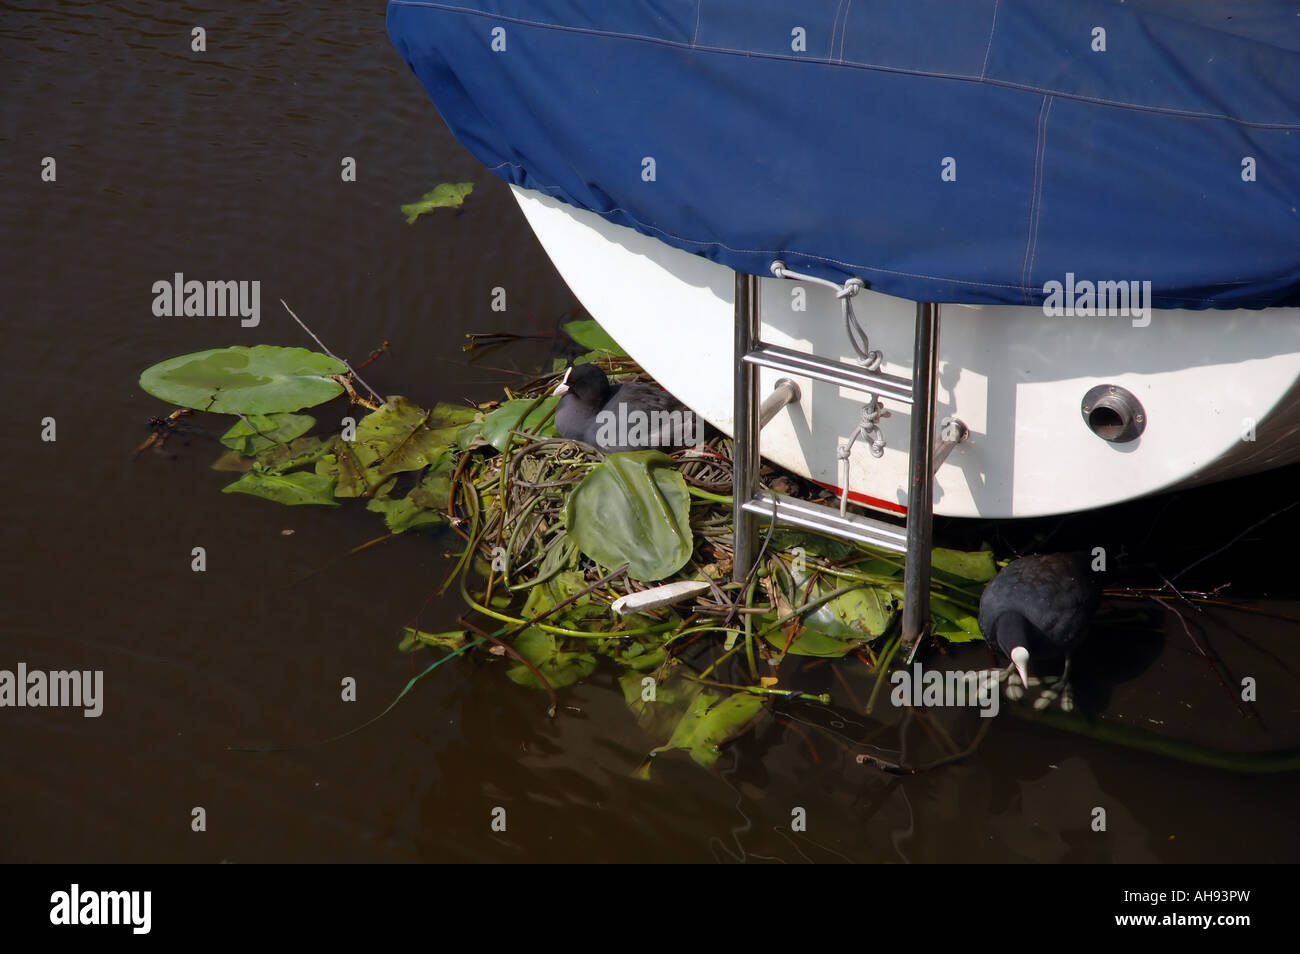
point(554, 537)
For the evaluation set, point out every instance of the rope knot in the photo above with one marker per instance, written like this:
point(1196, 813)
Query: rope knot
point(850, 288)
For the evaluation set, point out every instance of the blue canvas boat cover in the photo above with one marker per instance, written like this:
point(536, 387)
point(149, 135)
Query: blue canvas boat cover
point(941, 150)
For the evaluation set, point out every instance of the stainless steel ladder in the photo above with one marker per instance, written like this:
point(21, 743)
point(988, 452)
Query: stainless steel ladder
point(914, 539)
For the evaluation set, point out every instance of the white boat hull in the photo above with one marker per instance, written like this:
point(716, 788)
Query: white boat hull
point(1220, 389)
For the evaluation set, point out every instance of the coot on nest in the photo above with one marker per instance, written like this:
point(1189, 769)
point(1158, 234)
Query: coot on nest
point(1038, 609)
point(620, 417)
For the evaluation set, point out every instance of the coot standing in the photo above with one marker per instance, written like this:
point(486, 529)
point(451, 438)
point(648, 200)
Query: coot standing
point(622, 417)
point(1038, 609)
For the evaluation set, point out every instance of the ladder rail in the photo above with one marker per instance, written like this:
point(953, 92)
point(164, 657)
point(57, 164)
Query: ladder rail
point(920, 479)
point(915, 538)
point(745, 404)
point(890, 386)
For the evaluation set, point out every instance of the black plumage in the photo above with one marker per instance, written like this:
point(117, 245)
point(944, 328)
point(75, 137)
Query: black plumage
point(620, 417)
point(1041, 603)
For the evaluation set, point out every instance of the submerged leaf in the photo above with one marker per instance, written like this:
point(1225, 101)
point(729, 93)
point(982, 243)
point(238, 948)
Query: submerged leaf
point(290, 489)
point(263, 379)
point(669, 700)
point(559, 667)
point(709, 723)
point(444, 195)
point(297, 453)
point(414, 637)
point(633, 508)
point(233, 462)
point(255, 433)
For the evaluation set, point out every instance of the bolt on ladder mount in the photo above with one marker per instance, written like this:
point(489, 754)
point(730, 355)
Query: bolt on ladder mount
point(914, 540)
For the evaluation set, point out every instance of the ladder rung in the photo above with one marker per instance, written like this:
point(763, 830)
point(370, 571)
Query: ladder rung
point(834, 372)
point(812, 516)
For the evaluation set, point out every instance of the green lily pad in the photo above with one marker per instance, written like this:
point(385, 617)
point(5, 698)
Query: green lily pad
point(542, 649)
point(499, 423)
point(591, 335)
point(442, 196)
point(255, 433)
point(293, 490)
point(633, 508)
point(263, 379)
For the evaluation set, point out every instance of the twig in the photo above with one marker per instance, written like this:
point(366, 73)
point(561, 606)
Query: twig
point(1204, 655)
point(373, 393)
point(1257, 523)
point(255, 430)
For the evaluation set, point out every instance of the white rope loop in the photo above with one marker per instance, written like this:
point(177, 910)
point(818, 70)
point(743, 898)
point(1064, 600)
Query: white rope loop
point(867, 431)
point(857, 335)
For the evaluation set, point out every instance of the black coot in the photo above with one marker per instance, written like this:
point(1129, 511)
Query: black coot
point(1038, 609)
point(622, 417)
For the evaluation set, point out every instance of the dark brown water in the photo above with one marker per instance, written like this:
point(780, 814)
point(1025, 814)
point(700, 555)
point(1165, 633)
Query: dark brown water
point(226, 165)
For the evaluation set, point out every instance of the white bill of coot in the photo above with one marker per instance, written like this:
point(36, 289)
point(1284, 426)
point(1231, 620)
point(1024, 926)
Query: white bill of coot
point(1038, 609)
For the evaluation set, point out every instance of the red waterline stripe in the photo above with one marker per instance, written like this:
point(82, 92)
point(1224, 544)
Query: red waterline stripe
point(875, 502)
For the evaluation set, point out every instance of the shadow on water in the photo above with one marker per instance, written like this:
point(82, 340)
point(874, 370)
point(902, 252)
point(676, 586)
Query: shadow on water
point(225, 165)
